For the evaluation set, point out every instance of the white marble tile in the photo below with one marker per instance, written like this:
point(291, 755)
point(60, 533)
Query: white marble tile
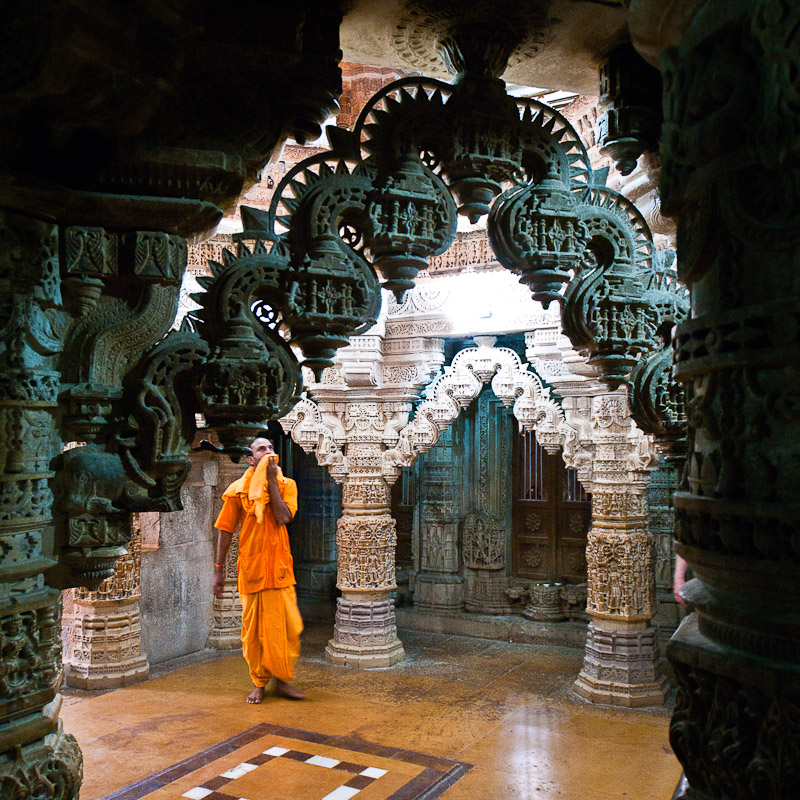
point(373, 772)
point(323, 761)
point(342, 793)
point(276, 751)
point(198, 793)
point(241, 769)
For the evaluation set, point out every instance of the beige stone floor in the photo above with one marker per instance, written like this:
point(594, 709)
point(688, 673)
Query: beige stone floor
point(506, 709)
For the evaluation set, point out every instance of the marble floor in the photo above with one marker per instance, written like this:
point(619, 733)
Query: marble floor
point(460, 718)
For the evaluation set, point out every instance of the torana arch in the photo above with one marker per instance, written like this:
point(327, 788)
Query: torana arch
point(512, 381)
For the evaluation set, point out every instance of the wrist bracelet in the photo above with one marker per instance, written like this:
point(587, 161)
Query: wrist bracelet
point(219, 565)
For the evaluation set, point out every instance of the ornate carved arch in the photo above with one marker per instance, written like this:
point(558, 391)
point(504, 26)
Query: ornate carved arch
point(513, 383)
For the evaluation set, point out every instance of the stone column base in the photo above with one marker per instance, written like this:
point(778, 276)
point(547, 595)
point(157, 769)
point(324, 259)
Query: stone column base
point(619, 668)
point(545, 604)
point(106, 647)
point(365, 635)
point(226, 620)
point(434, 592)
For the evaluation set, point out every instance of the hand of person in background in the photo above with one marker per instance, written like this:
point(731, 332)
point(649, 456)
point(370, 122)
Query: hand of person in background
point(678, 579)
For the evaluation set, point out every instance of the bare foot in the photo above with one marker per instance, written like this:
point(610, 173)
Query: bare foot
point(283, 688)
point(257, 695)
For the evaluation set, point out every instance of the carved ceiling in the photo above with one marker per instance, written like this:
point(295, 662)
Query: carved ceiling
point(559, 43)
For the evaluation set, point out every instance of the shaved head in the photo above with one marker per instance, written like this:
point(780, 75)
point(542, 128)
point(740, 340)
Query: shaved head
point(260, 447)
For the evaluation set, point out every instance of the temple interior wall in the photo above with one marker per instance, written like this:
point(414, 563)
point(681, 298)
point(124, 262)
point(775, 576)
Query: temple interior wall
point(176, 576)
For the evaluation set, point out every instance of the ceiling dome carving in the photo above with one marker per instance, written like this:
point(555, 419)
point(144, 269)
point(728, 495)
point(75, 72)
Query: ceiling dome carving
point(421, 27)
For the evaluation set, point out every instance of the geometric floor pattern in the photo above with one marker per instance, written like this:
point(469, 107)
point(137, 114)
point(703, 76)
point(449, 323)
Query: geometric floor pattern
point(273, 762)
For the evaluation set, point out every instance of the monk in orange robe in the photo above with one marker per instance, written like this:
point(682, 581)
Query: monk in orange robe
point(261, 503)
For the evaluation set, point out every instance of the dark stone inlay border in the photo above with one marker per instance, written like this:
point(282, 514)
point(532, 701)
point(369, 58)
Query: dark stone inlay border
point(359, 782)
point(439, 773)
point(216, 783)
point(297, 755)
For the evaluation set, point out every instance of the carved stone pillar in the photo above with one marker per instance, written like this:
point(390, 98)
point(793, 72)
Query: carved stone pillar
point(226, 611)
point(662, 486)
point(106, 648)
point(620, 662)
point(361, 405)
point(731, 176)
point(30, 611)
point(485, 527)
point(103, 179)
point(365, 632)
point(314, 533)
point(439, 584)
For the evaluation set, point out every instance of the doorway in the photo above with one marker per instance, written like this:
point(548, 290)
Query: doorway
point(550, 518)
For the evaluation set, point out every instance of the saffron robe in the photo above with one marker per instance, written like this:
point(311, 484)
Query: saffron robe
point(265, 560)
point(271, 622)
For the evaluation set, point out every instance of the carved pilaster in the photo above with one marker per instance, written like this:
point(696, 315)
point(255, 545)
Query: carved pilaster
point(620, 662)
point(439, 585)
point(106, 637)
point(44, 763)
point(484, 527)
point(661, 520)
point(226, 611)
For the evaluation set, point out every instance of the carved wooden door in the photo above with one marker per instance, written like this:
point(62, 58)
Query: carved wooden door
point(551, 516)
